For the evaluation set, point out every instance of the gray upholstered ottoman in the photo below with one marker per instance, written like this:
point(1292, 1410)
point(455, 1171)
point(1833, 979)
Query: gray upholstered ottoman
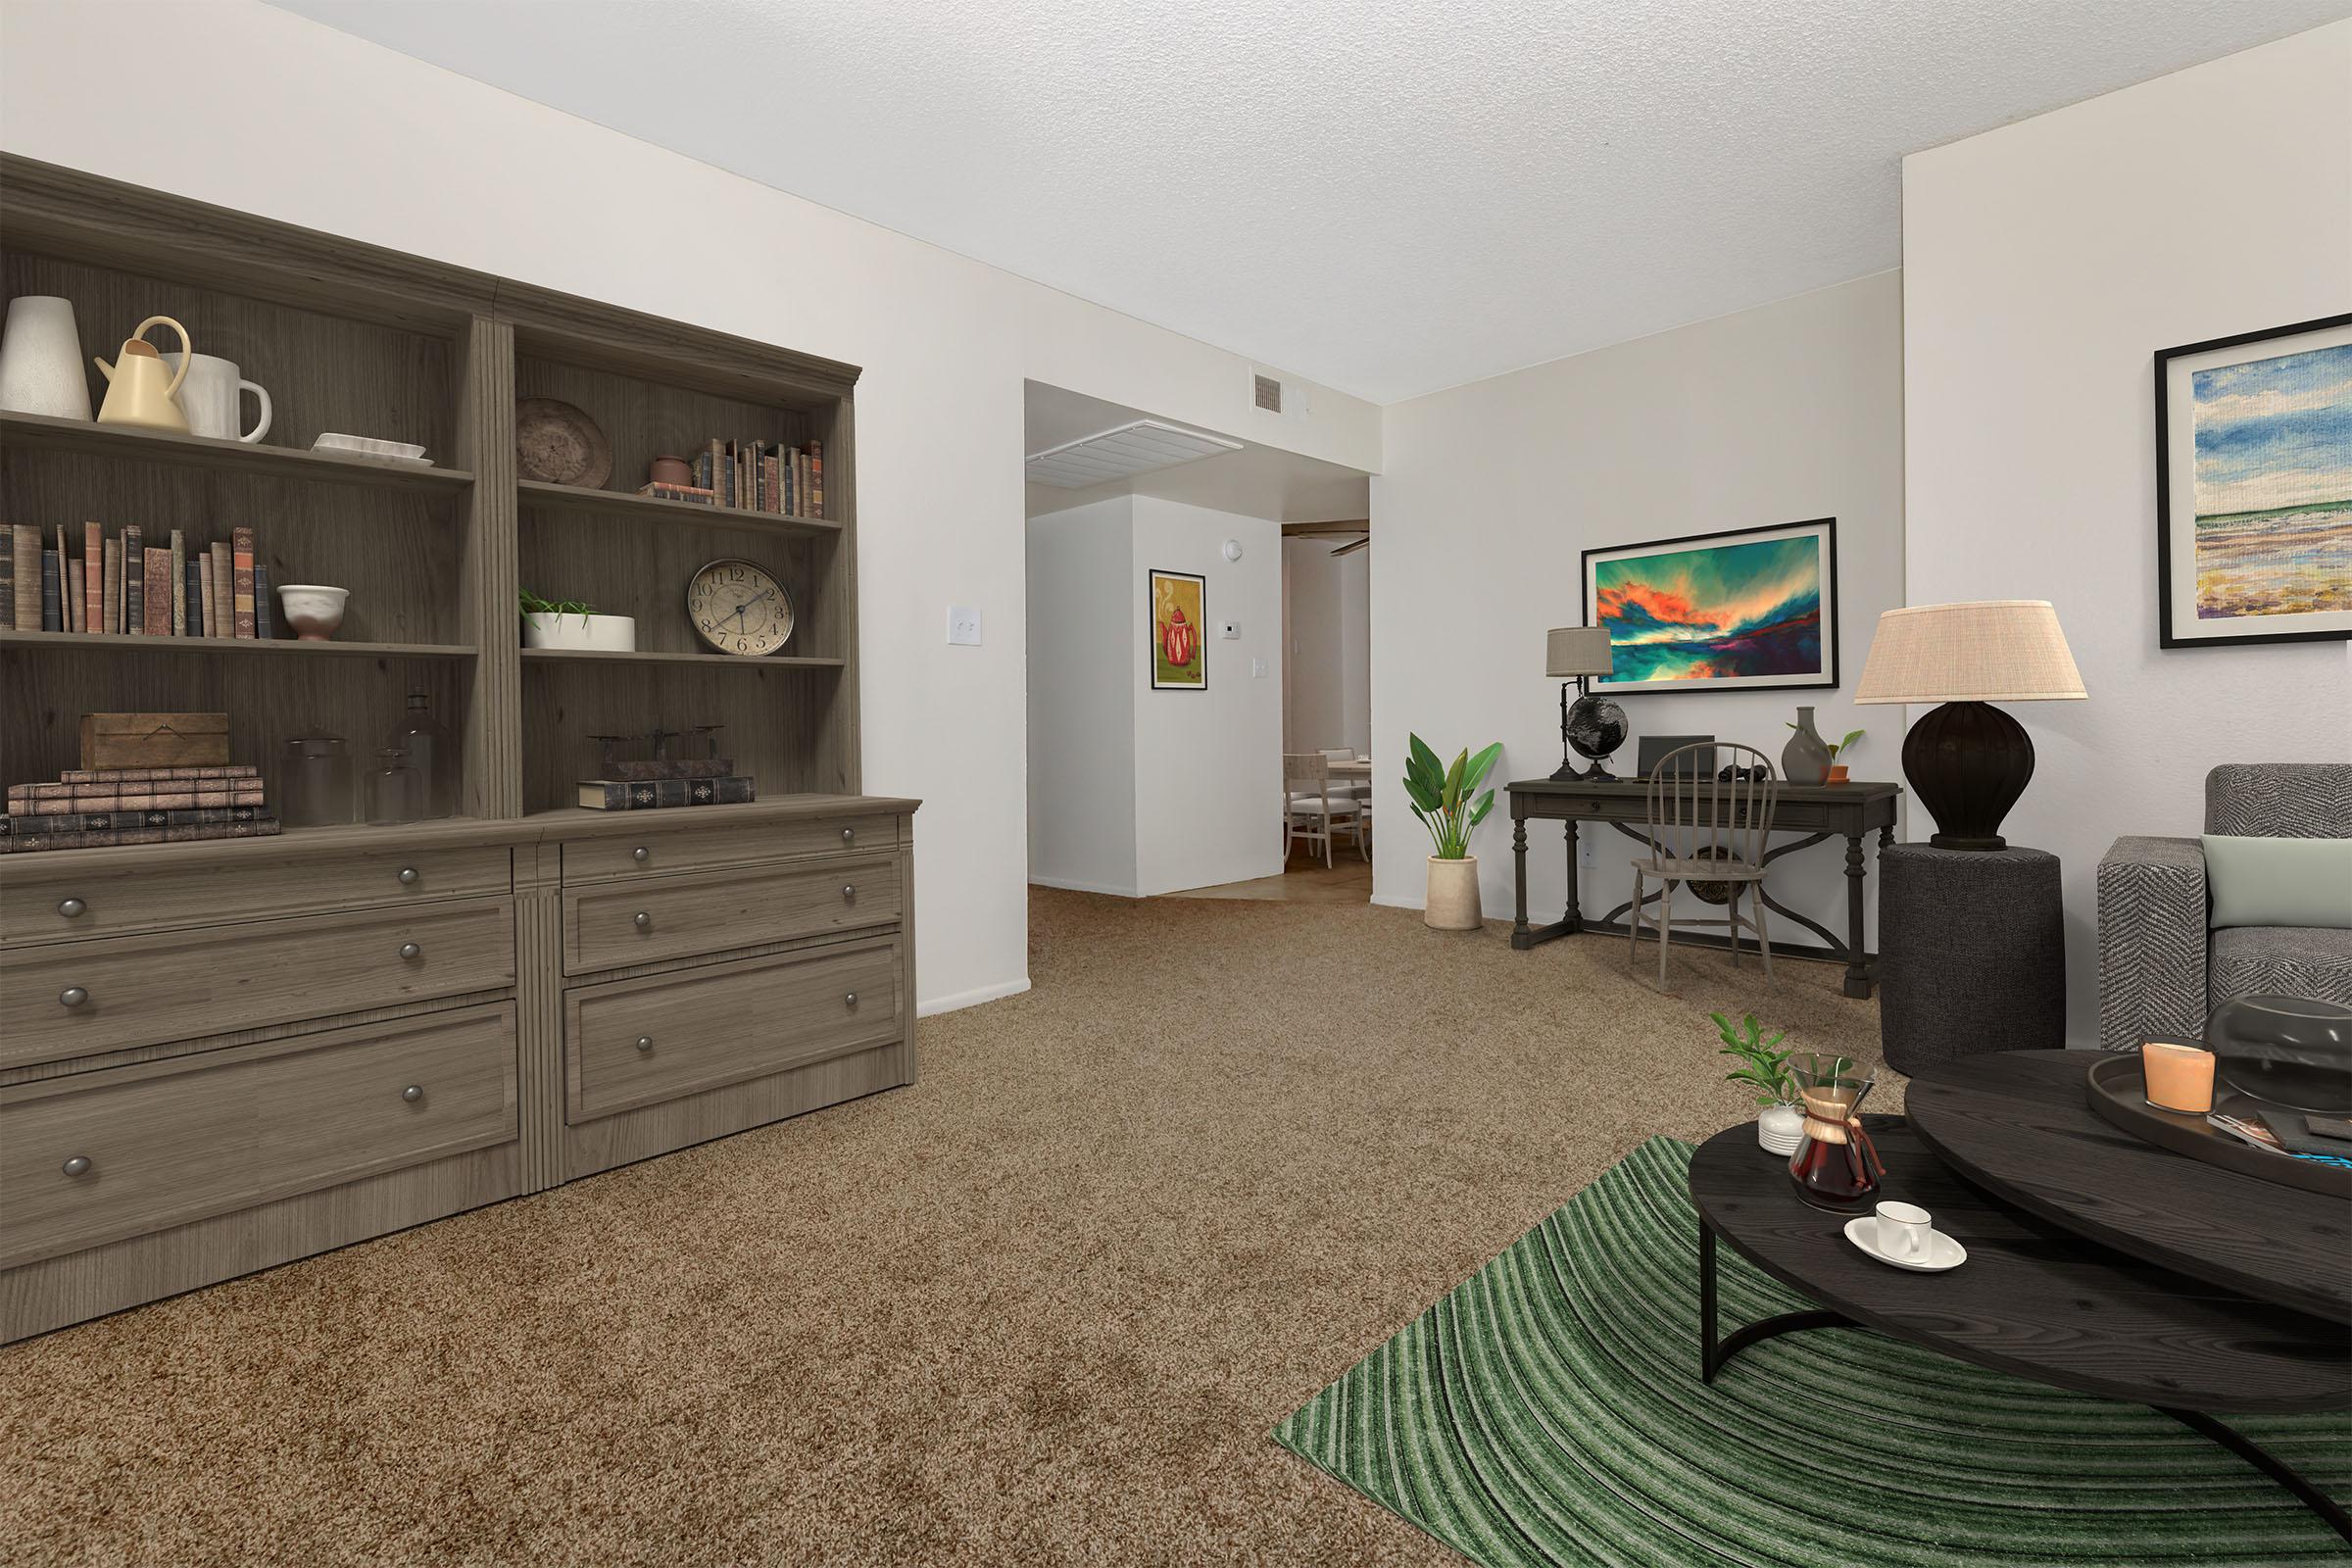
point(1972, 953)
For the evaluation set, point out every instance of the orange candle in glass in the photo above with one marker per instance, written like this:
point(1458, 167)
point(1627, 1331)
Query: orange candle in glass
point(2179, 1076)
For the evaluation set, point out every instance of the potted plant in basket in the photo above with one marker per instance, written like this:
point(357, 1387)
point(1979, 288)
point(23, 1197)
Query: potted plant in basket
point(1448, 804)
point(574, 623)
point(1782, 1122)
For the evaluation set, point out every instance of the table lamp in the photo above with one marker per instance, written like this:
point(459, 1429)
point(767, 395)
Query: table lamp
point(1594, 726)
point(1967, 760)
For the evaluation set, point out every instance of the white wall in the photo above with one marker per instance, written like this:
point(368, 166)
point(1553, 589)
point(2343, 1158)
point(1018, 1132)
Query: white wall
point(2046, 262)
point(1327, 639)
point(263, 111)
point(1208, 763)
point(1082, 617)
point(1491, 492)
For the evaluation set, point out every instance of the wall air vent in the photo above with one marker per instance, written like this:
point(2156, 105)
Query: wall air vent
point(1267, 392)
point(1121, 452)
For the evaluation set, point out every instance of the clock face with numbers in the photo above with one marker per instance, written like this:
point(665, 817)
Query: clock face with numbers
point(737, 607)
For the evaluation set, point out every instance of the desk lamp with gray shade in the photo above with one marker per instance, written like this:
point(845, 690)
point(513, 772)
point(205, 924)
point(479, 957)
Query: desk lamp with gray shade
point(1966, 760)
point(1594, 725)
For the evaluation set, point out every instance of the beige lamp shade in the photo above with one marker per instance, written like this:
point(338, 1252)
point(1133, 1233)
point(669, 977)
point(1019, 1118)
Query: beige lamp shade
point(1993, 651)
point(1571, 650)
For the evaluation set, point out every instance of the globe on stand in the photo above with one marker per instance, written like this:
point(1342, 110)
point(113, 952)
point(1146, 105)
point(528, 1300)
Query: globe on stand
point(1596, 728)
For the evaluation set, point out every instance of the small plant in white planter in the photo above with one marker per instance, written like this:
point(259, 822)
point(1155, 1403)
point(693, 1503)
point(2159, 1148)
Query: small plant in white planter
point(1782, 1123)
point(574, 623)
point(1448, 804)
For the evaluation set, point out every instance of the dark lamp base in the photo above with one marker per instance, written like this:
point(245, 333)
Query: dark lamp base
point(1968, 763)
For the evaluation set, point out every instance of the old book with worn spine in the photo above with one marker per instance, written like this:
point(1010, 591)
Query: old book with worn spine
point(241, 580)
point(27, 842)
point(646, 795)
point(180, 584)
point(53, 592)
point(7, 575)
point(93, 577)
point(27, 551)
point(225, 605)
point(157, 592)
point(265, 605)
point(77, 598)
point(111, 603)
point(157, 797)
point(99, 822)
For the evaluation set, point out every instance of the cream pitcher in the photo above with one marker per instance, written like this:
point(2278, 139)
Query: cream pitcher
point(140, 386)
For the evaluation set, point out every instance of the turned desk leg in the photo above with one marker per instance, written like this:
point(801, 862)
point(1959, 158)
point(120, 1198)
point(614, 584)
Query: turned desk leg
point(1857, 976)
point(1573, 918)
point(1521, 937)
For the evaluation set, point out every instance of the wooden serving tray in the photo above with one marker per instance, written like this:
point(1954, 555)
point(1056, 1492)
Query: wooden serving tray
point(2118, 1091)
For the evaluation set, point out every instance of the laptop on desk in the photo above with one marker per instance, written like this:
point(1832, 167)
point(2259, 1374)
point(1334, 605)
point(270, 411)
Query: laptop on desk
point(1653, 749)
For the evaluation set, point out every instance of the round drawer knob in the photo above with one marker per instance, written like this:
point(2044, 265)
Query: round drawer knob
point(849, 893)
point(645, 1042)
point(410, 949)
point(71, 908)
point(412, 1094)
point(848, 998)
point(641, 855)
point(407, 876)
point(78, 1165)
point(643, 920)
point(71, 996)
point(849, 835)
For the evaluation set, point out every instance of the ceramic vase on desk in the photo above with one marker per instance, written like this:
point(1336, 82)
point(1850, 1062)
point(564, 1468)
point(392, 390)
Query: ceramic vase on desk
point(1806, 759)
point(41, 360)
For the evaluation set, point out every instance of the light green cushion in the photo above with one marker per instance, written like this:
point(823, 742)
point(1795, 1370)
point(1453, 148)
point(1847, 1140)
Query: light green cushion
point(2279, 881)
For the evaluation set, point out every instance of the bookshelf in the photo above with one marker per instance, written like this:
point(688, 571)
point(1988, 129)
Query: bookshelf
point(568, 988)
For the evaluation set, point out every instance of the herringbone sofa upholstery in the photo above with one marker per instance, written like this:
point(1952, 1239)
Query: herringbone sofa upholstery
point(2161, 971)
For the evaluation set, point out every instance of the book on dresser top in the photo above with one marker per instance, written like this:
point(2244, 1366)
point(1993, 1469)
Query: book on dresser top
point(28, 839)
point(653, 794)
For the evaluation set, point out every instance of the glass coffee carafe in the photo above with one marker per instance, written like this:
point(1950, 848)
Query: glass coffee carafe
point(1835, 1166)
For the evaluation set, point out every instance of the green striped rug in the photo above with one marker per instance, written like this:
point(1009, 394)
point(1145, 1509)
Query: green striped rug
point(1549, 1411)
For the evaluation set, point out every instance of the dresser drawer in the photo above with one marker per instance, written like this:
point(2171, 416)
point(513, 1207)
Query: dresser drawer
point(639, 1041)
point(73, 999)
point(98, 1156)
point(609, 925)
point(38, 904)
point(676, 848)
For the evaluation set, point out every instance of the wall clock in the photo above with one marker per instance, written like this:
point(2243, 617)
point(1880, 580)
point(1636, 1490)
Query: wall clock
point(738, 607)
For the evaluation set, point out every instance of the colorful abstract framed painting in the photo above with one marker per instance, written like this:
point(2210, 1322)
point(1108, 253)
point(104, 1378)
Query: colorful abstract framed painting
point(1716, 611)
point(2254, 487)
point(1178, 604)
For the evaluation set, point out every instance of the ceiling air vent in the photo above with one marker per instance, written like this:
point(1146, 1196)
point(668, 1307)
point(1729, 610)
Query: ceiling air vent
point(1120, 452)
point(1267, 393)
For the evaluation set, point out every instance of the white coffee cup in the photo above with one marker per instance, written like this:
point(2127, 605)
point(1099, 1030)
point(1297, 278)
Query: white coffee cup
point(1903, 1231)
point(212, 399)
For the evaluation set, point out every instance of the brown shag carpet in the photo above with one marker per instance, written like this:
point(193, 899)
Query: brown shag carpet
point(1040, 1308)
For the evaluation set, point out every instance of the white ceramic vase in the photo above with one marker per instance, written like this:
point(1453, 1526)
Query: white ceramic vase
point(1452, 903)
point(1780, 1129)
point(41, 360)
point(601, 634)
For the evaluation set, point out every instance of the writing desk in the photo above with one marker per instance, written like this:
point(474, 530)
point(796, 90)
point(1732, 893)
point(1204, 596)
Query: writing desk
point(1819, 811)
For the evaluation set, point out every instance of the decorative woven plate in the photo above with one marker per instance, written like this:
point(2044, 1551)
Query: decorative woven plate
point(556, 444)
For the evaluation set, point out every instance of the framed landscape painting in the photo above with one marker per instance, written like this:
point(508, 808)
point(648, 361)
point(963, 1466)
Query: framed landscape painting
point(1179, 607)
point(1716, 611)
point(2254, 487)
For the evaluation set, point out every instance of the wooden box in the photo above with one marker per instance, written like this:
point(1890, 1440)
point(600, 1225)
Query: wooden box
point(153, 740)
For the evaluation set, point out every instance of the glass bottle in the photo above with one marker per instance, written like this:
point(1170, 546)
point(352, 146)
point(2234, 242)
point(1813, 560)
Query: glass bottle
point(394, 789)
point(315, 782)
point(433, 753)
point(1835, 1166)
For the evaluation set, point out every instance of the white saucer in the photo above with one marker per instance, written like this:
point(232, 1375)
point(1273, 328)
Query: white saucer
point(1942, 1251)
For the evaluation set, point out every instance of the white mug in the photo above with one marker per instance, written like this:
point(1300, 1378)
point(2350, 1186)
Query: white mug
point(1903, 1230)
point(211, 398)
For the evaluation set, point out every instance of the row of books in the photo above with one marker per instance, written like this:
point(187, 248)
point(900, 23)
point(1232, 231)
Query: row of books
point(88, 808)
point(753, 476)
point(125, 586)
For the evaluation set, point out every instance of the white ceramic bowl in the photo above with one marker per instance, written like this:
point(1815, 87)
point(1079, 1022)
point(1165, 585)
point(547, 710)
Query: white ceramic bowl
point(312, 610)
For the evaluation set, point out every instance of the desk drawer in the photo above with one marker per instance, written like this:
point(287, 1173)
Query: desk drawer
point(73, 999)
point(98, 1156)
point(656, 850)
point(609, 925)
point(114, 900)
point(639, 1041)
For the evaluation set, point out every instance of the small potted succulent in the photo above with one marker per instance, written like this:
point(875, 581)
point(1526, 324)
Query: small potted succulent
point(574, 623)
point(1446, 801)
point(1780, 1125)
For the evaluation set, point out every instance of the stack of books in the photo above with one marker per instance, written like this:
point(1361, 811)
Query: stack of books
point(126, 586)
point(88, 808)
point(753, 476)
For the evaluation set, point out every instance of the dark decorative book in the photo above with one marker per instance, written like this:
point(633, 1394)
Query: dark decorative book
point(241, 582)
point(23, 842)
point(52, 594)
point(264, 610)
point(100, 822)
point(646, 795)
point(192, 574)
point(135, 580)
point(8, 574)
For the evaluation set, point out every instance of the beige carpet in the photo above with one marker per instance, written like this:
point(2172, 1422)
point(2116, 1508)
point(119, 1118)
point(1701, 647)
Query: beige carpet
point(1040, 1308)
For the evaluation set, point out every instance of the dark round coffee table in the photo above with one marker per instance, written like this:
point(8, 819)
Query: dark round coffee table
point(2036, 1298)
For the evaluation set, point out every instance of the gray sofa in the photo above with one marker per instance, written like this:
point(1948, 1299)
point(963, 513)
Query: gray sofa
point(2161, 970)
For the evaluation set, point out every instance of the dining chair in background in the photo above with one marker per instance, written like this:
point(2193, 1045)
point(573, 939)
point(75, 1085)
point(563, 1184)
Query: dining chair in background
point(1312, 809)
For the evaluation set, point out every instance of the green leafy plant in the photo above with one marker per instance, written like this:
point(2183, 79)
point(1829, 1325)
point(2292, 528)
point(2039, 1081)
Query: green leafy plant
point(1760, 1065)
point(534, 604)
point(1841, 748)
point(1447, 798)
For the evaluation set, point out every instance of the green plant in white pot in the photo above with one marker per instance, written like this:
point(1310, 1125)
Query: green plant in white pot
point(1448, 802)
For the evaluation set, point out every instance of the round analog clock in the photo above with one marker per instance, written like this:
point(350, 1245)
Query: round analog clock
point(738, 607)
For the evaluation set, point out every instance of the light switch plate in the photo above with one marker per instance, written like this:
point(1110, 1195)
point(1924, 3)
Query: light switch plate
point(1233, 628)
point(1257, 669)
point(963, 626)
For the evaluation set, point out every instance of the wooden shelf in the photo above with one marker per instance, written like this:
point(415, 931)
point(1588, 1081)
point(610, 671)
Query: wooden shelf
point(84, 642)
point(587, 655)
point(39, 432)
point(672, 513)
